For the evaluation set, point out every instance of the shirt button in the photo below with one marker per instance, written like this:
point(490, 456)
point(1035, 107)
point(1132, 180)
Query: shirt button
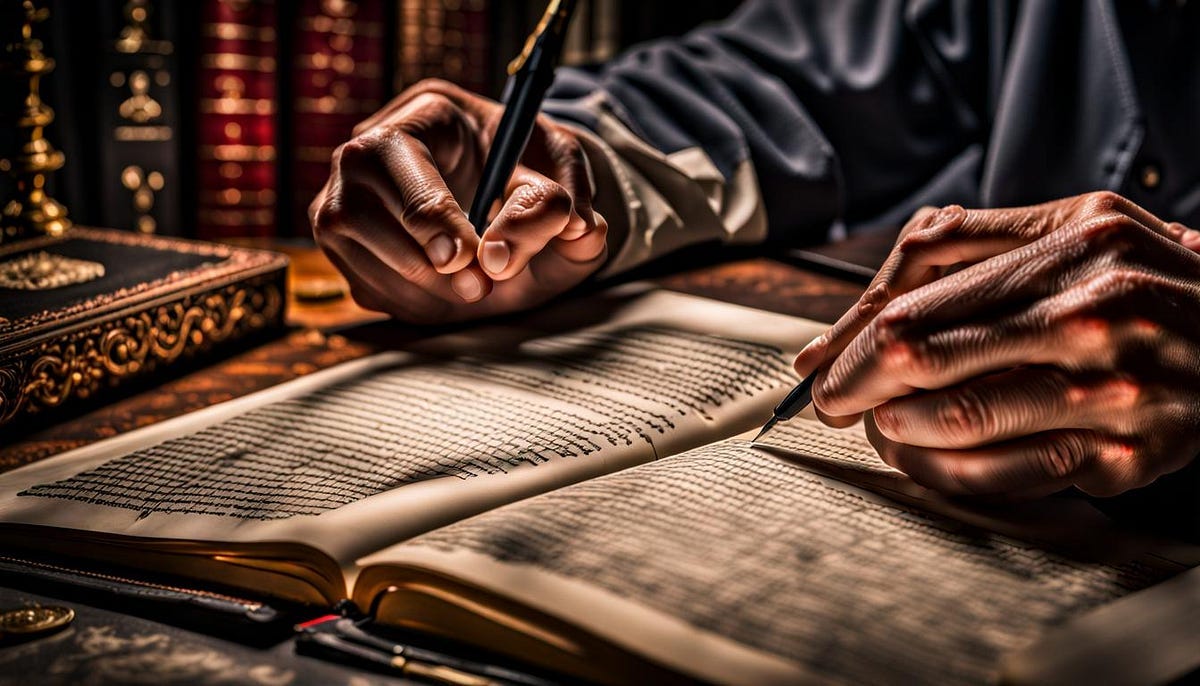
point(1150, 177)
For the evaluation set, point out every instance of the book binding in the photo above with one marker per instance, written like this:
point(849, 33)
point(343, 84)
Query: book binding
point(64, 340)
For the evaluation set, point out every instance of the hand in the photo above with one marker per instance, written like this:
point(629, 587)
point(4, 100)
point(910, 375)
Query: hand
point(1021, 351)
point(391, 215)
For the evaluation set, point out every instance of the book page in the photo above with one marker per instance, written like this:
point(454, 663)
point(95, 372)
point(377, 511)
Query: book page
point(353, 459)
point(731, 564)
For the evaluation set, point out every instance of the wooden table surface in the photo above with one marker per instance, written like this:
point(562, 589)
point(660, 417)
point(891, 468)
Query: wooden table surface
point(326, 333)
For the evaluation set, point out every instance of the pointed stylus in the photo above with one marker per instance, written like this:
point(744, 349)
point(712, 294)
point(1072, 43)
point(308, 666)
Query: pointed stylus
point(798, 399)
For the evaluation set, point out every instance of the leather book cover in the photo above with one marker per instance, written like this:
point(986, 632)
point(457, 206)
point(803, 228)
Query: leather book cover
point(237, 121)
point(94, 309)
point(337, 80)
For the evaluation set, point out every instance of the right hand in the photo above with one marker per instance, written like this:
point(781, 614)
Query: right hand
point(391, 216)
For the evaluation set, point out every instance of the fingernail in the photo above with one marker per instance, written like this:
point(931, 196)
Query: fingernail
point(1189, 236)
point(442, 249)
point(494, 256)
point(467, 285)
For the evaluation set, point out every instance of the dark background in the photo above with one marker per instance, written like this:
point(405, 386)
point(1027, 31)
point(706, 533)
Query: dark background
point(80, 34)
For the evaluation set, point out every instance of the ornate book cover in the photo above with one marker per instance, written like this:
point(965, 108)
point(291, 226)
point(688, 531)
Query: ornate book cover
point(93, 309)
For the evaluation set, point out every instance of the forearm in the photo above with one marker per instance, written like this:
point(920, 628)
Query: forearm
point(791, 115)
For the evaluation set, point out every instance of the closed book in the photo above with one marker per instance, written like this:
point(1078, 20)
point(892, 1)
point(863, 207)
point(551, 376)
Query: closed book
point(337, 79)
point(237, 120)
point(121, 92)
point(93, 310)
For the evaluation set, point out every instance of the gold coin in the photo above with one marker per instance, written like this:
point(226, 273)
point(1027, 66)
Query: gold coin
point(311, 290)
point(34, 620)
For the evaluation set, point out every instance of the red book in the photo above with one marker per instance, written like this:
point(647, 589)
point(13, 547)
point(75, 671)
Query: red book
point(236, 124)
point(337, 80)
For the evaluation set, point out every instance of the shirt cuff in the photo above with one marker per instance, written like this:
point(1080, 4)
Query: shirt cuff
point(656, 203)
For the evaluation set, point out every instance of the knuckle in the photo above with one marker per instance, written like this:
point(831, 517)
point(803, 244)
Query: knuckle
point(1120, 467)
point(540, 198)
point(558, 199)
point(436, 84)
point(355, 152)
point(412, 270)
point(1110, 231)
point(328, 217)
point(924, 360)
point(1123, 393)
point(1102, 201)
point(893, 322)
point(1061, 456)
point(565, 145)
point(431, 208)
point(423, 87)
point(958, 480)
point(936, 228)
point(822, 396)
point(964, 414)
point(1114, 283)
point(1085, 330)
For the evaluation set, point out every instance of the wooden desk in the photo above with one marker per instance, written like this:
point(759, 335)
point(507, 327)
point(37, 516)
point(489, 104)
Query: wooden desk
point(106, 645)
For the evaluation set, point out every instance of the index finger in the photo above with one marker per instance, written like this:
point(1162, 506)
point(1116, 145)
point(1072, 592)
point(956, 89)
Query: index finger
point(401, 172)
point(878, 293)
point(935, 240)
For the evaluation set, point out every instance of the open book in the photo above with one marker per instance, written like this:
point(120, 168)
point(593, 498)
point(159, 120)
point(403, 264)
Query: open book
point(570, 491)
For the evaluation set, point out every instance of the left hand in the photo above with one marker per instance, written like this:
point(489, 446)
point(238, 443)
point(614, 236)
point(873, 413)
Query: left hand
point(1064, 351)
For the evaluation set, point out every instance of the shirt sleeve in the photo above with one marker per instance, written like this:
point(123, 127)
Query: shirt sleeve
point(784, 121)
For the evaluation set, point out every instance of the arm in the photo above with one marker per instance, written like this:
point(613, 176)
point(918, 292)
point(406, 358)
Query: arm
point(790, 114)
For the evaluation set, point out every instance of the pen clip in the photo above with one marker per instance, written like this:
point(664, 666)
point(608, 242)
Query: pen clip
point(555, 12)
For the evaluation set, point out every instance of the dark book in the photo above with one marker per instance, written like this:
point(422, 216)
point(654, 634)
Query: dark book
point(120, 92)
point(95, 309)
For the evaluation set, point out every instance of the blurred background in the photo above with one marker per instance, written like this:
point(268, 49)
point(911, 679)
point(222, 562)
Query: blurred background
point(216, 118)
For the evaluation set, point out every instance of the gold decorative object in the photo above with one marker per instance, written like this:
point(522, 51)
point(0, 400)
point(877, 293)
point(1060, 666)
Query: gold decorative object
point(40, 271)
point(58, 350)
point(35, 620)
point(33, 211)
point(104, 354)
point(143, 186)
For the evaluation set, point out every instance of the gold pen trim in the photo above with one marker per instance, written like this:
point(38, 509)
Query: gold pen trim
point(554, 8)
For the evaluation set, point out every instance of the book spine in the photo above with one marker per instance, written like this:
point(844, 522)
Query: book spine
point(138, 123)
point(448, 39)
point(236, 133)
point(337, 80)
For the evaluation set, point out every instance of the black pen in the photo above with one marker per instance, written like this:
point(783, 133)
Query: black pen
point(799, 398)
point(531, 74)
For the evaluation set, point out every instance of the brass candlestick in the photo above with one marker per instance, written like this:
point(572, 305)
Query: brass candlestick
point(33, 211)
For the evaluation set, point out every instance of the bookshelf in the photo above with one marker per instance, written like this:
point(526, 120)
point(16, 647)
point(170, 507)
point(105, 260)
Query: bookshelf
point(217, 118)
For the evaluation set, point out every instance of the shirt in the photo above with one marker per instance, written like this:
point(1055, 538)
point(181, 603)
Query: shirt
point(795, 121)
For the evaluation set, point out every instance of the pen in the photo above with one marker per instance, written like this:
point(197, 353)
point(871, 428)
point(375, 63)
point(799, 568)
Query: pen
point(531, 74)
point(346, 638)
point(798, 399)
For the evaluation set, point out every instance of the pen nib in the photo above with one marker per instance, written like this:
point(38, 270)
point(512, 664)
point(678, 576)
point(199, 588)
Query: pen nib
point(766, 427)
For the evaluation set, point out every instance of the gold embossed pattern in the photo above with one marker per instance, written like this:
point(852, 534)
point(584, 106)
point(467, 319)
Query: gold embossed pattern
point(92, 358)
point(42, 271)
